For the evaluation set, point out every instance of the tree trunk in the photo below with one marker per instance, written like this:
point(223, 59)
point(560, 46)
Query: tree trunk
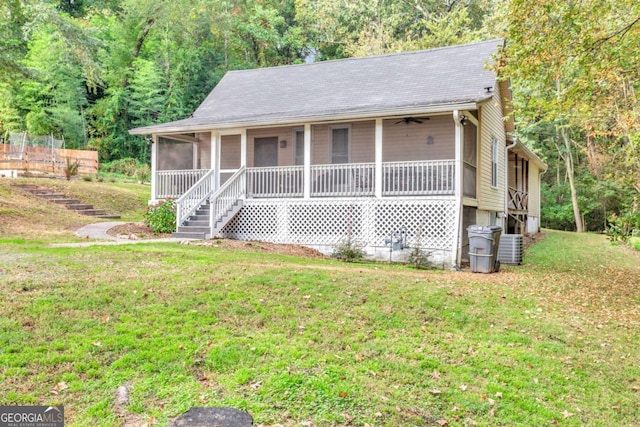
point(568, 162)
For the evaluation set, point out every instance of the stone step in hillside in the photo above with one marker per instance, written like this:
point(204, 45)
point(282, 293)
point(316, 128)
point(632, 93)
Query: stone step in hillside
point(62, 199)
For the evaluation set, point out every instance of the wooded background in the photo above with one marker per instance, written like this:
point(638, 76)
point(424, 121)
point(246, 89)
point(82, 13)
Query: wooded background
point(90, 70)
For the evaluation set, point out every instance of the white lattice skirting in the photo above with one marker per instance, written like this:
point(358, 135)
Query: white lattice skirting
point(324, 224)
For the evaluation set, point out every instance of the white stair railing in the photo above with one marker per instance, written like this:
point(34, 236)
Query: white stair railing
point(194, 197)
point(227, 196)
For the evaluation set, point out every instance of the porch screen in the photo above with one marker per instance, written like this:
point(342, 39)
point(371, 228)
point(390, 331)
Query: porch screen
point(175, 155)
point(470, 158)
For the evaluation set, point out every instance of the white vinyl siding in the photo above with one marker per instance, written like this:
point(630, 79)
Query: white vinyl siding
point(534, 190)
point(491, 198)
point(494, 162)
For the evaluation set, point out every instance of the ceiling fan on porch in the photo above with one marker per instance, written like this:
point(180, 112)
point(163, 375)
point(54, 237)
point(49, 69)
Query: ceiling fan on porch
point(409, 120)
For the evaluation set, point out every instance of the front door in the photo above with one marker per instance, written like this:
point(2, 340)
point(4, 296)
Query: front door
point(265, 152)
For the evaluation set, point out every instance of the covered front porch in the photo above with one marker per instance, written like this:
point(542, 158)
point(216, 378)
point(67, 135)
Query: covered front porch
point(409, 178)
point(393, 157)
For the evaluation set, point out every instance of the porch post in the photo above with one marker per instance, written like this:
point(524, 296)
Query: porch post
point(307, 160)
point(243, 148)
point(378, 159)
point(458, 141)
point(154, 168)
point(215, 158)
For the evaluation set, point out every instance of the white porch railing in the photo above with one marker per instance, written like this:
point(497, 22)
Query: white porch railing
point(171, 184)
point(518, 199)
point(418, 178)
point(343, 180)
point(223, 200)
point(284, 181)
point(193, 198)
point(432, 177)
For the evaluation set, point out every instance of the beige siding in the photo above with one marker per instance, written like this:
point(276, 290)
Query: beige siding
point(320, 145)
point(204, 150)
point(534, 190)
point(362, 146)
point(491, 126)
point(285, 154)
point(230, 152)
point(409, 141)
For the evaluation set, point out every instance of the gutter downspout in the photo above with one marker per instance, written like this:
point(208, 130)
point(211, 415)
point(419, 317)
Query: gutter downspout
point(457, 238)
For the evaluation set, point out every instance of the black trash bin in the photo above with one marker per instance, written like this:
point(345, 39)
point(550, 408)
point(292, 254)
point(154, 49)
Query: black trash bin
point(483, 248)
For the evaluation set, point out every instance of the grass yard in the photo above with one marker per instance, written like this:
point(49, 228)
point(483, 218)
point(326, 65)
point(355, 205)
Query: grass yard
point(315, 342)
point(26, 217)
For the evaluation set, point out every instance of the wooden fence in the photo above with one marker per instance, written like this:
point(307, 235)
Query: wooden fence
point(42, 160)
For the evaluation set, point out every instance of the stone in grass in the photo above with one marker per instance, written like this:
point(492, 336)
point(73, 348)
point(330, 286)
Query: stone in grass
point(213, 417)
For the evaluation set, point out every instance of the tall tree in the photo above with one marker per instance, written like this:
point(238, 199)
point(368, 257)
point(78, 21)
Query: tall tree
point(580, 69)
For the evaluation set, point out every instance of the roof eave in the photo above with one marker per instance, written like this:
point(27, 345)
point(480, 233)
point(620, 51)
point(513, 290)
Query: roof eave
point(533, 157)
point(432, 109)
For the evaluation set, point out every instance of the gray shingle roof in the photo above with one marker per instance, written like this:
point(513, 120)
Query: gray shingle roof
point(394, 82)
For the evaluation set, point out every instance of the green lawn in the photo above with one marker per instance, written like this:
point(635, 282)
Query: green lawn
point(317, 342)
point(26, 217)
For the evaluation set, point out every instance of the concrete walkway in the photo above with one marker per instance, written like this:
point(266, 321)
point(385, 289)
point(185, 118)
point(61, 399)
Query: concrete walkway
point(98, 234)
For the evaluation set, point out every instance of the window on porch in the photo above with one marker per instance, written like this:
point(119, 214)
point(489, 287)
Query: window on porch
point(340, 137)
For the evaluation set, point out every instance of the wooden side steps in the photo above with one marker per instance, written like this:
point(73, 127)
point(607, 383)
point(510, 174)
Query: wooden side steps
point(62, 199)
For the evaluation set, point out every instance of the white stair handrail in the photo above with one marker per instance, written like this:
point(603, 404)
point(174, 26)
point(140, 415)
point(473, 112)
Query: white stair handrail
point(227, 195)
point(194, 197)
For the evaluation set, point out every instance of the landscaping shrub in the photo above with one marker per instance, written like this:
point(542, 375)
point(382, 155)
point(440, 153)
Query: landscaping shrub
point(71, 169)
point(161, 218)
point(624, 226)
point(128, 167)
point(420, 258)
point(348, 251)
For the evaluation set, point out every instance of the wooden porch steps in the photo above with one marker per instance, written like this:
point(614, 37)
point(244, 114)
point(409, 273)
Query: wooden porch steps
point(62, 199)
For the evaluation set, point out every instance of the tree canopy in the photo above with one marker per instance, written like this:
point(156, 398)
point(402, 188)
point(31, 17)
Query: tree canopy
point(89, 70)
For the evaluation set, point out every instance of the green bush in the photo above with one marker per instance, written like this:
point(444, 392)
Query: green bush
point(161, 218)
point(348, 251)
point(129, 167)
point(623, 227)
point(143, 173)
point(126, 166)
point(420, 258)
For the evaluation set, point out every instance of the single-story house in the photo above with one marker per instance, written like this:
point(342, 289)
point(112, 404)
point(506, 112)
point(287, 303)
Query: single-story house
point(410, 147)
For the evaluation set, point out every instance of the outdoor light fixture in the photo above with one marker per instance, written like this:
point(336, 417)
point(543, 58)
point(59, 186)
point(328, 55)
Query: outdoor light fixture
point(429, 140)
point(283, 143)
point(464, 120)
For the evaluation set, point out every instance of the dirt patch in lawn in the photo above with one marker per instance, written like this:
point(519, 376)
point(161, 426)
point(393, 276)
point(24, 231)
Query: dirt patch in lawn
point(135, 231)
point(139, 231)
